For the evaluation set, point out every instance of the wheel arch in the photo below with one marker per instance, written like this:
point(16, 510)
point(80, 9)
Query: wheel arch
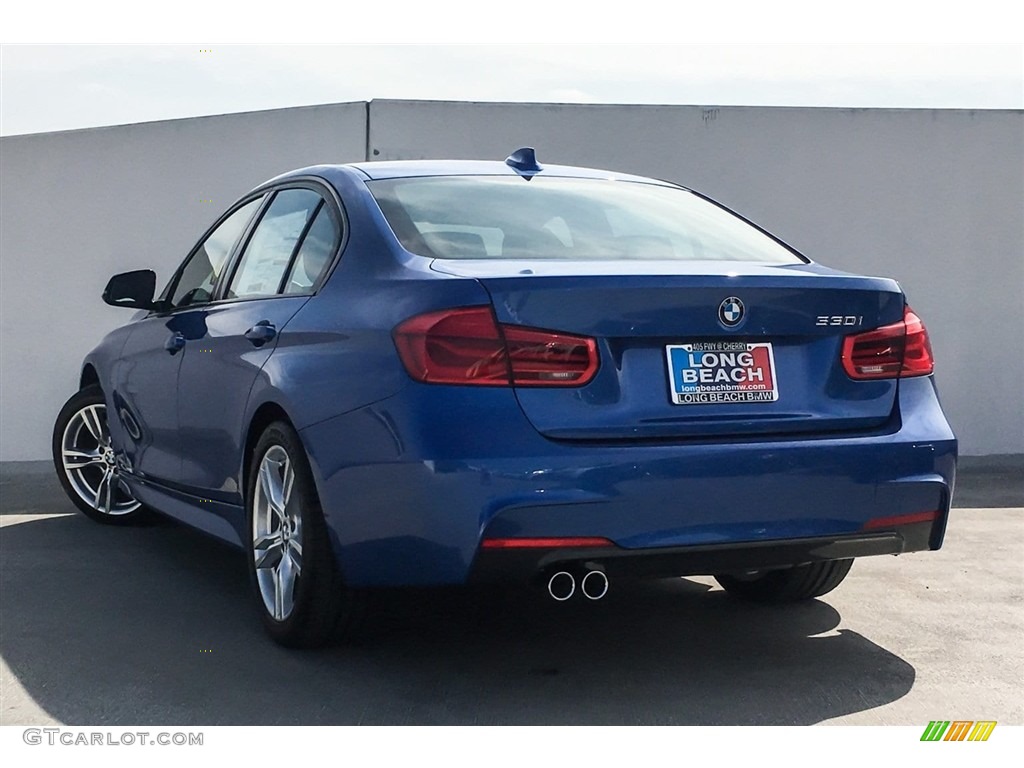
point(265, 415)
point(89, 376)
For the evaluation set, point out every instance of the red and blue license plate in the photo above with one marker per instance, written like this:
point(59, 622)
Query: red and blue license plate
point(716, 372)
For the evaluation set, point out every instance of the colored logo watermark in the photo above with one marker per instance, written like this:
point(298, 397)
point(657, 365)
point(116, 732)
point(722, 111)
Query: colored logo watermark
point(958, 730)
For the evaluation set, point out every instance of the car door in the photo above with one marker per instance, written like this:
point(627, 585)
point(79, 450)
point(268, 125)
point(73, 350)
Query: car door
point(274, 274)
point(144, 393)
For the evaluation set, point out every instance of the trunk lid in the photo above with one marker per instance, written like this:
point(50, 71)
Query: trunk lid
point(662, 340)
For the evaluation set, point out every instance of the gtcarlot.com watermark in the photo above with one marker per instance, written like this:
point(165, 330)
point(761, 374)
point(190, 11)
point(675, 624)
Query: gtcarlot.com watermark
point(74, 738)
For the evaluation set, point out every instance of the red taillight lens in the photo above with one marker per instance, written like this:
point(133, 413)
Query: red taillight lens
point(467, 346)
point(455, 346)
point(548, 359)
point(901, 349)
point(917, 355)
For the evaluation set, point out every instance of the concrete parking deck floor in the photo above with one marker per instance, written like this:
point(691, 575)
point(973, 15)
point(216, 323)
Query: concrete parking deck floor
point(153, 625)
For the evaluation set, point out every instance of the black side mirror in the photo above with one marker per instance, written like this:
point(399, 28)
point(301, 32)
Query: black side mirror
point(131, 289)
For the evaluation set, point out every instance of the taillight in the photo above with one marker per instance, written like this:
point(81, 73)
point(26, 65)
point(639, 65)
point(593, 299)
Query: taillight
point(917, 355)
point(898, 350)
point(468, 346)
point(457, 346)
point(548, 359)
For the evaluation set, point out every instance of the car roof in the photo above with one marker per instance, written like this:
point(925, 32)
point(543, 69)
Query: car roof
point(397, 169)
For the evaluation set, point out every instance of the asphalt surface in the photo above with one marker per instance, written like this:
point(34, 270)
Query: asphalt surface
point(154, 625)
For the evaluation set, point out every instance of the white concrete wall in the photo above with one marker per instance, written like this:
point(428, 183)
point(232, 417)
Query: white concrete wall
point(934, 198)
point(78, 206)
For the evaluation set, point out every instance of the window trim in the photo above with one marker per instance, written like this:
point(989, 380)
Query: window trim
point(304, 182)
point(336, 208)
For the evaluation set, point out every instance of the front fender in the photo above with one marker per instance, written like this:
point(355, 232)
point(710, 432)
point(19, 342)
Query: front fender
point(102, 360)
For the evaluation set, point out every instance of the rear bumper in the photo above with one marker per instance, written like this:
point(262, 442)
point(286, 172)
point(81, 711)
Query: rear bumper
point(526, 565)
point(411, 485)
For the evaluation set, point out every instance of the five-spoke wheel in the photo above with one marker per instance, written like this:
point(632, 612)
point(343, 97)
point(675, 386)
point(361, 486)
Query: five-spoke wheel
point(298, 587)
point(86, 463)
point(277, 533)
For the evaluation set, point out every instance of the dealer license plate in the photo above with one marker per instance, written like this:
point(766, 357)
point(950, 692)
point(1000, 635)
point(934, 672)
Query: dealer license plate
point(715, 372)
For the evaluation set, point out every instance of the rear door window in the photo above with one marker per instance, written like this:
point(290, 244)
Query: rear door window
point(316, 252)
point(268, 255)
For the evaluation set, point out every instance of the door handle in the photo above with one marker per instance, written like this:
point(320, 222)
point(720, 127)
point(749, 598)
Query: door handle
point(175, 343)
point(261, 333)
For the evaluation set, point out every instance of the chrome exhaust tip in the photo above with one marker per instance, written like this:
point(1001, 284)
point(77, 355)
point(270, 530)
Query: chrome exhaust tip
point(594, 585)
point(562, 586)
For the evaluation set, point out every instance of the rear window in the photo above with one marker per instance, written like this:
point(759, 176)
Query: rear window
point(494, 217)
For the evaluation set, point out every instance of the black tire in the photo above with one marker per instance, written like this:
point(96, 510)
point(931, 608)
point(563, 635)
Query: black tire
point(787, 585)
point(321, 607)
point(91, 479)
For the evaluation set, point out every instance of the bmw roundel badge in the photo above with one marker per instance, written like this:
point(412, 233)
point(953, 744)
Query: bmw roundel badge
point(730, 312)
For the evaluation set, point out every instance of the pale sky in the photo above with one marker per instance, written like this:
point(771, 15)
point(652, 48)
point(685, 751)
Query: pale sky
point(60, 88)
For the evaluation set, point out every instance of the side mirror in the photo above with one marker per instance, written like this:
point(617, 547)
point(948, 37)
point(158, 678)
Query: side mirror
point(131, 289)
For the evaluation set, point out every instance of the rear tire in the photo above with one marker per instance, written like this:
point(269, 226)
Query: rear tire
point(296, 582)
point(787, 585)
point(85, 461)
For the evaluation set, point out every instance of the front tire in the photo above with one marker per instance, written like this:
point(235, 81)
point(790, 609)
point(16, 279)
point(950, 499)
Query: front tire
point(787, 585)
point(84, 459)
point(298, 588)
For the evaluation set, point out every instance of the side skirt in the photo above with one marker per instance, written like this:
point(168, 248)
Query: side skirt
point(225, 522)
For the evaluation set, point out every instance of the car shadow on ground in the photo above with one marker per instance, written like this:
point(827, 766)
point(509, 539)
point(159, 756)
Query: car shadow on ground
point(154, 625)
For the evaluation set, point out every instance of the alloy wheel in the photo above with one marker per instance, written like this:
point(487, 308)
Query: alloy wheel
point(90, 464)
point(277, 533)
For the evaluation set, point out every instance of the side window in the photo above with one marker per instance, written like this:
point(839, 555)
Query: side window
point(270, 248)
point(315, 253)
point(197, 279)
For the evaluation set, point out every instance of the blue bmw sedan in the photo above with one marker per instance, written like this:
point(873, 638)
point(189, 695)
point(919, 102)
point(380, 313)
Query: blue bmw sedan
point(428, 373)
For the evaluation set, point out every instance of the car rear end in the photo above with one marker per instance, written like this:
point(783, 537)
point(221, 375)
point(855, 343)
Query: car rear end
point(650, 387)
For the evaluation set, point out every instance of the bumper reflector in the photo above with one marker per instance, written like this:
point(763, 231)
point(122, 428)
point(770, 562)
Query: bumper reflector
point(892, 522)
point(578, 541)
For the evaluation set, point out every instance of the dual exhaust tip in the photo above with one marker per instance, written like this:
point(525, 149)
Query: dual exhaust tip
point(593, 585)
